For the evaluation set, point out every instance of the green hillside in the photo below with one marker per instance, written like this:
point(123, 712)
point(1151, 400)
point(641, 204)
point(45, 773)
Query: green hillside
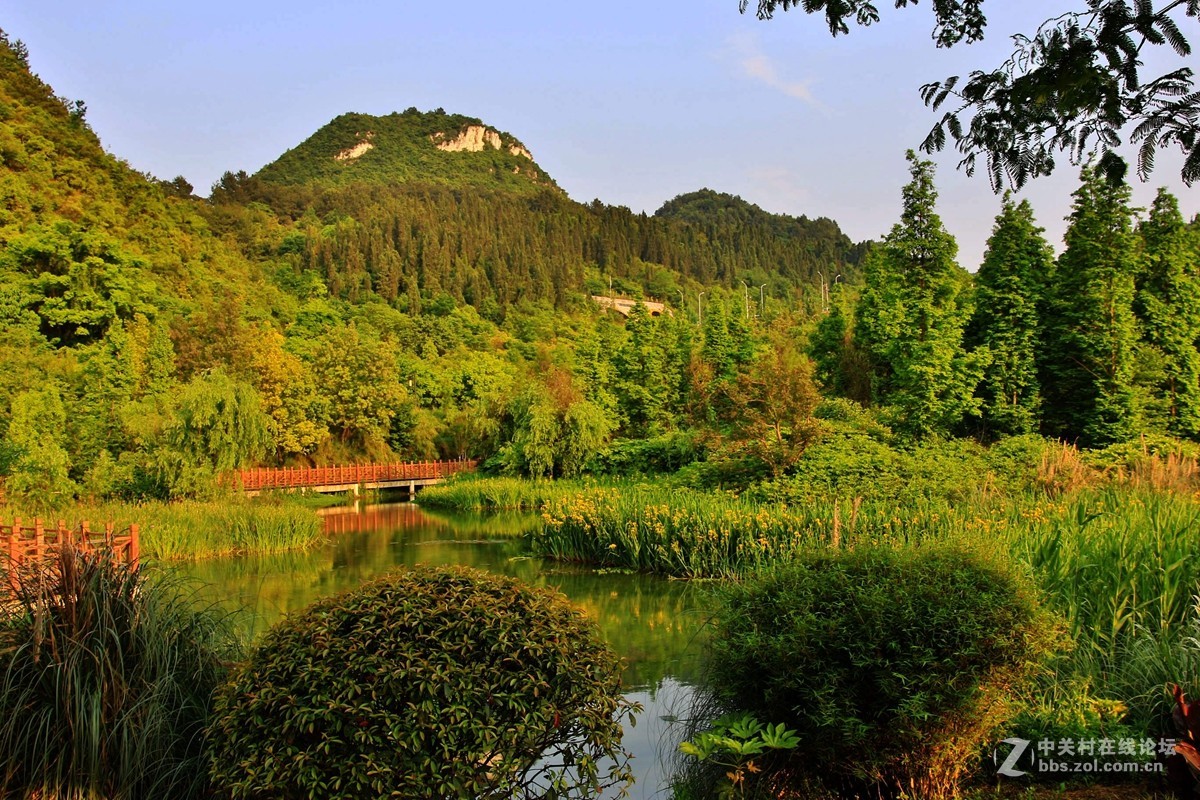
point(406, 302)
point(406, 148)
point(797, 245)
point(85, 240)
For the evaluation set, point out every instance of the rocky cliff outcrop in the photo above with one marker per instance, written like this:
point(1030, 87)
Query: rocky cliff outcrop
point(473, 139)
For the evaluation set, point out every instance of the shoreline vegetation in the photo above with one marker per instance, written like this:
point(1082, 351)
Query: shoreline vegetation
point(194, 529)
point(1108, 538)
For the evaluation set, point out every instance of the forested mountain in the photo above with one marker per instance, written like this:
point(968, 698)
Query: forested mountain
point(431, 148)
point(410, 243)
point(402, 300)
point(419, 297)
point(86, 240)
point(798, 246)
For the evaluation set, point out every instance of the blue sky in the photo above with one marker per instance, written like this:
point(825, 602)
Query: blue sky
point(629, 102)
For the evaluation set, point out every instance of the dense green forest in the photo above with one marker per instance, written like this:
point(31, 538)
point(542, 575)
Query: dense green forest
point(411, 301)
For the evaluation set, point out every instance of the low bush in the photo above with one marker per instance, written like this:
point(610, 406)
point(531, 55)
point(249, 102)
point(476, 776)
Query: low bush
point(850, 464)
point(430, 682)
point(667, 453)
point(894, 665)
point(106, 682)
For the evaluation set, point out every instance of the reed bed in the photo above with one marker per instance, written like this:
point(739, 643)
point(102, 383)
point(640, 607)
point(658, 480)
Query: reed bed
point(687, 534)
point(470, 493)
point(106, 681)
point(193, 529)
point(1120, 564)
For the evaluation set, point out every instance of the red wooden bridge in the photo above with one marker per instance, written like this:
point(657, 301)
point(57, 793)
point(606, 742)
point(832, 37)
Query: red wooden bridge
point(408, 475)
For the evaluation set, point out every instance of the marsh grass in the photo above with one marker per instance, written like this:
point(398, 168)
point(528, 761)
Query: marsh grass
point(1120, 564)
point(195, 529)
point(469, 493)
point(688, 534)
point(106, 681)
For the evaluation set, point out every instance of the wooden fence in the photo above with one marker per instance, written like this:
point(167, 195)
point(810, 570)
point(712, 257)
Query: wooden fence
point(19, 542)
point(350, 475)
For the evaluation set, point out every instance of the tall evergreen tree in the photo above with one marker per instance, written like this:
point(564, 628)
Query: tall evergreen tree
point(718, 348)
point(1009, 287)
point(641, 379)
point(1091, 335)
point(911, 317)
point(1168, 307)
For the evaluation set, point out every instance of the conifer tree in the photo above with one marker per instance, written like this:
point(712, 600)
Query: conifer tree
point(1091, 335)
point(646, 380)
point(911, 317)
point(1009, 287)
point(718, 347)
point(1168, 308)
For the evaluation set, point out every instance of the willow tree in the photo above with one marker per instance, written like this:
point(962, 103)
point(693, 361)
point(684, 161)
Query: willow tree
point(35, 447)
point(911, 317)
point(1008, 293)
point(1091, 334)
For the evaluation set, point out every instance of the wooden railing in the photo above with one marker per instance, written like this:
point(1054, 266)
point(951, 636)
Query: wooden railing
point(21, 542)
point(354, 474)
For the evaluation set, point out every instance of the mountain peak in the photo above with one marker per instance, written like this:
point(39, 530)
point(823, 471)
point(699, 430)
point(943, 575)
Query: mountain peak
point(431, 147)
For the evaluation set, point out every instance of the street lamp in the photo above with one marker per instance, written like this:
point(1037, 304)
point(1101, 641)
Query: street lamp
point(762, 301)
point(699, 310)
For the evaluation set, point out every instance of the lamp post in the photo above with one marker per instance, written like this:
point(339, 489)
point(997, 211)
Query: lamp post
point(762, 301)
point(699, 309)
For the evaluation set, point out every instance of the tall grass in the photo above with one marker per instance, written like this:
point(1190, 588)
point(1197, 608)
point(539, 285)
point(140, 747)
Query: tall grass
point(469, 493)
point(201, 530)
point(1122, 566)
point(106, 682)
point(194, 529)
point(688, 534)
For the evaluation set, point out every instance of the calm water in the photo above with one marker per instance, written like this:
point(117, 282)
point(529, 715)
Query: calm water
point(652, 623)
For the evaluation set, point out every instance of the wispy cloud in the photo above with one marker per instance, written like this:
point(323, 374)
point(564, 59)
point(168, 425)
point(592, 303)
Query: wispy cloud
point(754, 63)
point(780, 190)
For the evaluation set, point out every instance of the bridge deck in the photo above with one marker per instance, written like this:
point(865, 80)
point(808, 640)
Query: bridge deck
point(409, 474)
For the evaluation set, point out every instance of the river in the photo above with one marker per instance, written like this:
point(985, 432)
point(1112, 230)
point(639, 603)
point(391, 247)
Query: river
point(654, 624)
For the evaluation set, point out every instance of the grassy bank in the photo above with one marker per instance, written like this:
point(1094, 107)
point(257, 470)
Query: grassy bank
point(1118, 560)
point(193, 529)
point(470, 493)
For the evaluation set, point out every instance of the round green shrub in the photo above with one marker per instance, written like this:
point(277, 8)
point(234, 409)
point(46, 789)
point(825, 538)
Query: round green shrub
point(894, 665)
point(430, 682)
point(106, 681)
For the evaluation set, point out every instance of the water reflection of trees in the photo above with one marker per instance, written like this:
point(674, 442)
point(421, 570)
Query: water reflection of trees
point(653, 623)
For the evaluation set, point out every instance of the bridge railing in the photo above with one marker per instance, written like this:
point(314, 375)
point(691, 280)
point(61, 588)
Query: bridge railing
point(352, 474)
point(20, 543)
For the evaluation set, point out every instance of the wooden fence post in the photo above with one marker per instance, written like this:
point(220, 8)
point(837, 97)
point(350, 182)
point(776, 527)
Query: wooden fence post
point(14, 543)
point(134, 545)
